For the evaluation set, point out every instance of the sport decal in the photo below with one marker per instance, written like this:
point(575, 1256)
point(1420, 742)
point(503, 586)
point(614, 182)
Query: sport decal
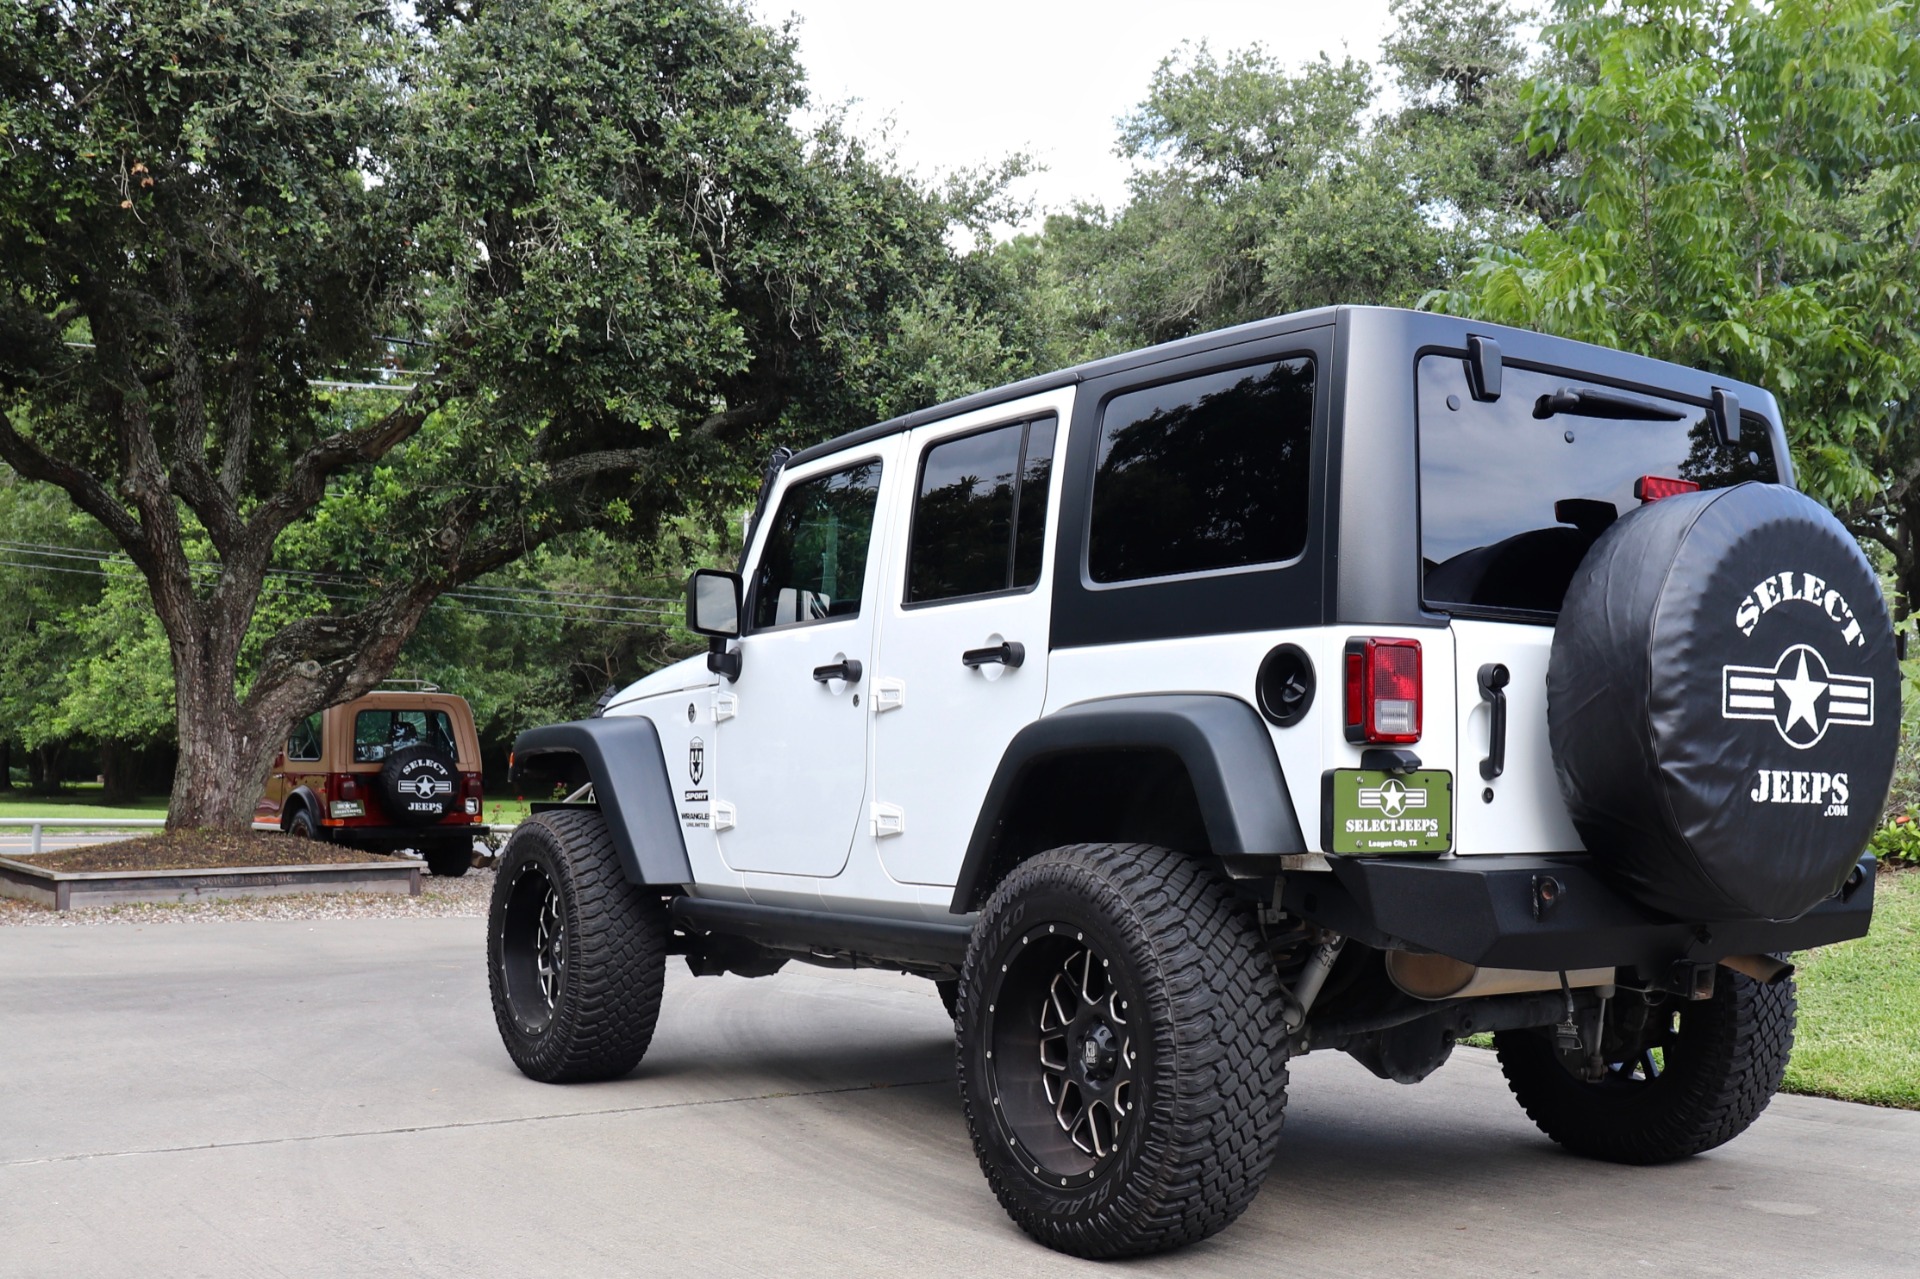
point(1798, 693)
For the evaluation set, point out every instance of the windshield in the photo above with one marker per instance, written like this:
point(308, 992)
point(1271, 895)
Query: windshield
point(1514, 492)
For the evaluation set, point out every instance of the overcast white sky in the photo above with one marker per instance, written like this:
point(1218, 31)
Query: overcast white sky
point(969, 83)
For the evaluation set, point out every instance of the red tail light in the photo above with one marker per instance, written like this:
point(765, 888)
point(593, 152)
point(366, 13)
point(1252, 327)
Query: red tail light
point(473, 792)
point(347, 788)
point(1383, 691)
point(1651, 488)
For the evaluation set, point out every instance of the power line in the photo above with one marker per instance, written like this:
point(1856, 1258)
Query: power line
point(583, 613)
point(671, 605)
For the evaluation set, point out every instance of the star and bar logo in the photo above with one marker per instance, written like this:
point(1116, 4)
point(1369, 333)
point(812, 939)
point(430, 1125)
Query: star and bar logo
point(1798, 693)
point(424, 787)
point(1393, 797)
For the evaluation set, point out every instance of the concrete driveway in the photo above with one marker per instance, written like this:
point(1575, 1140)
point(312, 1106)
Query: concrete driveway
point(329, 1097)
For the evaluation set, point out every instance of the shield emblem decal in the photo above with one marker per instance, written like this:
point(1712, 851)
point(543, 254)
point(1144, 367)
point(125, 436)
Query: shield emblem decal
point(696, 760)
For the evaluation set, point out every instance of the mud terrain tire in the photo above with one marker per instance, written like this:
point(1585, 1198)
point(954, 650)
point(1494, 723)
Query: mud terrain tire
point(576, 956)
point(1122, 1061)
point(1719, 1068)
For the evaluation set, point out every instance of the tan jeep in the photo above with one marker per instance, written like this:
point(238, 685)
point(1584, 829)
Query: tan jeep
point(396, 769)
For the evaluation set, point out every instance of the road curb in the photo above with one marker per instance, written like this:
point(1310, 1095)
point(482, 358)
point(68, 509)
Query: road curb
point(67, 890)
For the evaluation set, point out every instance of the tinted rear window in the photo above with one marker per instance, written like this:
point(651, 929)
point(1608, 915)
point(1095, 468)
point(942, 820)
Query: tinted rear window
point(1203, 474)
point(377, 734)
point(1510, 502)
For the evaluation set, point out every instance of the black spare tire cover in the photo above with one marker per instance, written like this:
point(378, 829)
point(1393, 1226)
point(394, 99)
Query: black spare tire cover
point(417, 785)
point(1723, 703)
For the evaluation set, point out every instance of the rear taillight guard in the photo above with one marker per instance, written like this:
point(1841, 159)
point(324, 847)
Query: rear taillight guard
point(1383, 691)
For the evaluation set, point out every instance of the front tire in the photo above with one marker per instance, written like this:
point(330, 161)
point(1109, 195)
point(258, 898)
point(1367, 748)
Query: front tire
point(576, 955)
point(1121, 1057)
point(1686, 1077)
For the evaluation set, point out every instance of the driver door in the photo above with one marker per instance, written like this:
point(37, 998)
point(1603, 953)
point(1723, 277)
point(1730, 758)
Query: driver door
point(791, 739)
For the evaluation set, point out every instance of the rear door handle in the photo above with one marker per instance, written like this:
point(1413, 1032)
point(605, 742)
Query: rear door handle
point(1009, 655)
point(848, 670)
point(1493, 690)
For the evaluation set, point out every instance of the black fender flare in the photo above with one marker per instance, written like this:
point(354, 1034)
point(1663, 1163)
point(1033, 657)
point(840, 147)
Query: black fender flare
point(1223, 742)
point(622, 756)
point(301, 795)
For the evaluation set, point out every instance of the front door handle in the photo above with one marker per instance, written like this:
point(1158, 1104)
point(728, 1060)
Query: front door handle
point(1493, 690)
point(1009, 655)
point(847, 669)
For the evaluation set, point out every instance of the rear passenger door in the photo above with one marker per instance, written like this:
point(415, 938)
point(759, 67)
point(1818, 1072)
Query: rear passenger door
point(962, 660)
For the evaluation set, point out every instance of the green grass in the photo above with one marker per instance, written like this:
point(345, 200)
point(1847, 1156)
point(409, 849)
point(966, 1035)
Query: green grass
point(84, 801)
point(504, 810)
point(78, 801)
point(1859, 1035)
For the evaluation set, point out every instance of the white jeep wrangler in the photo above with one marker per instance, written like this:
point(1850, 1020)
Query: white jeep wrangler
point(1355, 680)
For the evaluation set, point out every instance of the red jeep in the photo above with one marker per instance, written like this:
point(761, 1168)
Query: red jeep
point(396, 769)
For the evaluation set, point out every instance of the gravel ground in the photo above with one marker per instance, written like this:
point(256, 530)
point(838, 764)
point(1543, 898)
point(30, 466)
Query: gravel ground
point(438, 898)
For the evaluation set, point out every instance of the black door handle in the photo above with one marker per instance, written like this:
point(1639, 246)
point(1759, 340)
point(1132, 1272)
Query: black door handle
point(1009, 654)
point(1493, 686)
point(848, 670)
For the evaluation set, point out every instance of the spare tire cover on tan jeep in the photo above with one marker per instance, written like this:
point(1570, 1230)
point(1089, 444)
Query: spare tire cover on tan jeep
point(417, 784)
point(1723, 703)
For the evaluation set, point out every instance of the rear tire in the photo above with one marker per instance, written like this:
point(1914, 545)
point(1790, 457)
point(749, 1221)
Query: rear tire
point(576, 955)
point(1696, 1077)
point(302, 826)
point(1121, 1057)
point(450, 862)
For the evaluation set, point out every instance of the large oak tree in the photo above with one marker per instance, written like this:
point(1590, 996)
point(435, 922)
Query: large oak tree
point(604, 258)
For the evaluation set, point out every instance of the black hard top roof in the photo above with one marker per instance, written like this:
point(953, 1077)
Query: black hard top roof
point(1199, 343)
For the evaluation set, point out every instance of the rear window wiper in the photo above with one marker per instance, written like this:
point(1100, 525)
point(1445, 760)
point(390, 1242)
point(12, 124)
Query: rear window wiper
point(1580, 401)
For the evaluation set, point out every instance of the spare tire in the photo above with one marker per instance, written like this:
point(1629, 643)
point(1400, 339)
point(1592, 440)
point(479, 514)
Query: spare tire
point(1723, 703)
point(417, 785)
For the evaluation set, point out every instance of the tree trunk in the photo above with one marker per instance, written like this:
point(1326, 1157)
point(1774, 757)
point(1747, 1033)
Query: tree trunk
point(43, 769)
point(223, 763)
point(117, 773)
point(6, 765)
point(227, 745)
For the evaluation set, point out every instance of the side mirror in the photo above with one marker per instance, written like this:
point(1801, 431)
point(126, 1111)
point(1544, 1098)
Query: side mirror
point(713, 610)
point(713, 603)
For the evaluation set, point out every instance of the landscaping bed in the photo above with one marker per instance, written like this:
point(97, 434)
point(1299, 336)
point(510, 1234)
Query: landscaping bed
point(200, 850)
point(198, 865)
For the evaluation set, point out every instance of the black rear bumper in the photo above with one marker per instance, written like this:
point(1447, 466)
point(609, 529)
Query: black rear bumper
point(1546, 913)
point(386, 838)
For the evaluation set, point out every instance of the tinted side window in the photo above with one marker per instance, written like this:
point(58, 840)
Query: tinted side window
point(304, 742)
point(1205, 473)
point(377, 734)
point(980, 519)
point(815, 560)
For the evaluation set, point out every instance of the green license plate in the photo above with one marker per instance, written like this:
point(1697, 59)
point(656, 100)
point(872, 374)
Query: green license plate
point(1372, 812)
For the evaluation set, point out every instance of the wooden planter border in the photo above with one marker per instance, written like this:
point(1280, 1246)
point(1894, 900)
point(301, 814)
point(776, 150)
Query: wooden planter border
point(67, 889)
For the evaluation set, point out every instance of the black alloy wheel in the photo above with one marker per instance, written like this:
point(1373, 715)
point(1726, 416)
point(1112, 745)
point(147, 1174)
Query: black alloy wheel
point(1677, 1076)
point(1062, 1017)
point(533, 947)
point(1122, 1062)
